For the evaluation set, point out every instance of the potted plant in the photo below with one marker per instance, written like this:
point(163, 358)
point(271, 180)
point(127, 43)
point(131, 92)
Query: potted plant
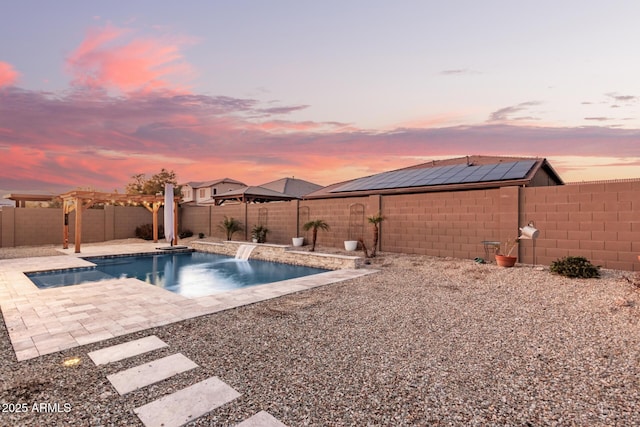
point(259, 233)
point(350, 245)
point(315, 225)
point(506, 260)
point(297, 241)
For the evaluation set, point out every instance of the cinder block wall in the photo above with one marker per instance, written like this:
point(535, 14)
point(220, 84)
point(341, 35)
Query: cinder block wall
point(444, 224)
point(334, 212)
point(36, 227)
point(281, 220)
point(127, 218)
point(196, 219)
point(598, 221)
point(237, 211)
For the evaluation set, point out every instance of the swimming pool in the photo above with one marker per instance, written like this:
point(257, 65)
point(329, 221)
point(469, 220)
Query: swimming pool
point(189, 274)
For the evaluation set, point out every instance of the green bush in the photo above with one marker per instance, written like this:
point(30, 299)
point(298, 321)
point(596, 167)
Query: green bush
point(575, 266)
point(145, 232)
point(185, 233)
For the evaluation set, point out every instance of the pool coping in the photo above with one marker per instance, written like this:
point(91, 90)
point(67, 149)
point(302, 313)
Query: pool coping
point(45, 321)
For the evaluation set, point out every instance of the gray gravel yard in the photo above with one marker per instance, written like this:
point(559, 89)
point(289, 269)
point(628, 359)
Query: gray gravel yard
point(426, 341)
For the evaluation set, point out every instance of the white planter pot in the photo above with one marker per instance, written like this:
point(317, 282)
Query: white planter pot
point(297, 241)
point(350, 245)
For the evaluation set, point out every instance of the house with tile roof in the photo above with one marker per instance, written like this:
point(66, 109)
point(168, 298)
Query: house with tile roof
point(292, 186)
point(201, 192)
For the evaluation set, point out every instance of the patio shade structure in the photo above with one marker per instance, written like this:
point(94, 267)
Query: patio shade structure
point(83, 200)
point(253, 194)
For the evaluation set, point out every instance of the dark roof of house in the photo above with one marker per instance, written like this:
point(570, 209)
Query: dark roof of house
point(202, 184)
point(255, 194)
point(445, 175)
point(292, 186)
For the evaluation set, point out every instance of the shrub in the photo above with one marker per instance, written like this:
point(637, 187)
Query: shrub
point(185, 233)
point(230, 226)
point(575, 266)
point(145, 232)
point(259, 233)
point(200, 235)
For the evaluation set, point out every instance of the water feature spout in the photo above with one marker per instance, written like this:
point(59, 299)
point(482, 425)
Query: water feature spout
point(244, 251)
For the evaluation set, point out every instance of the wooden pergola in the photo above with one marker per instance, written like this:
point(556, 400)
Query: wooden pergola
point(83, 200)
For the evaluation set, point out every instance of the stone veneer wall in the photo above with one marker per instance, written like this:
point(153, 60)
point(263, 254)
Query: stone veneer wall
point(281, 253)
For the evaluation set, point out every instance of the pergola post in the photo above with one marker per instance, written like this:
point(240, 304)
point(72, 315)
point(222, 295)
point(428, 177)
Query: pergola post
point(67, 208)
point(155, 207)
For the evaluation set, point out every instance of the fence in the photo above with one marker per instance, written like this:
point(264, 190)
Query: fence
point(600, 221)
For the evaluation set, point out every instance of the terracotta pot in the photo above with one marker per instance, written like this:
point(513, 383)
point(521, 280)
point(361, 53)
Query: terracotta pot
point(506, 261)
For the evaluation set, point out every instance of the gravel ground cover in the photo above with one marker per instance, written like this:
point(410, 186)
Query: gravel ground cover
point(426, 341)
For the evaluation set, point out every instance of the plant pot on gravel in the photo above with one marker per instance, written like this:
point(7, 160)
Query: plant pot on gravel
point(506, 261)
point(350, 245)
point(297, 241)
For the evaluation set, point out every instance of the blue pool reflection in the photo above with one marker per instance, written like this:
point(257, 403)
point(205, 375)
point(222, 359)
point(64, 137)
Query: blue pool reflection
point(189, 274)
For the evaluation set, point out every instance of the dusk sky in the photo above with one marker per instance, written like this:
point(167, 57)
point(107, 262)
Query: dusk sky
point(92, 93)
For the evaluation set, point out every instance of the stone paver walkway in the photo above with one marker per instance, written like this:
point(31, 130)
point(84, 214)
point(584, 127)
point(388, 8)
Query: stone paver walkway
point(43, 321)
point(186, 405)
point(150, 373)
point(182, 406)
point(261, 419)
point(126, 350)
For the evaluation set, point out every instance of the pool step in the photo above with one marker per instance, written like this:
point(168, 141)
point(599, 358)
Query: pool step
point(177, 408)
point(126, 350)
point(150, 373)
point(186, 405)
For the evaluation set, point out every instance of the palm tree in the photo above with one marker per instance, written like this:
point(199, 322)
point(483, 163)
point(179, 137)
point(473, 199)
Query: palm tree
point(230, 226)
point(315, 225)
point(375, 220)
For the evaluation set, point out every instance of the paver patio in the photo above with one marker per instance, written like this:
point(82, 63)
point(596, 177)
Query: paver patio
point(43, 321)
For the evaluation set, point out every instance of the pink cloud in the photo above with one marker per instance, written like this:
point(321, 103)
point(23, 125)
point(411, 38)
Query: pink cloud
point(8, 76)
point(114, 58)
point(85, 138)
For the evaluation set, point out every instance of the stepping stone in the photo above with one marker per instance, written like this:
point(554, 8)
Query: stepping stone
point(126, 350)
point(186, 405)
point(150, 373)
point(261, 419)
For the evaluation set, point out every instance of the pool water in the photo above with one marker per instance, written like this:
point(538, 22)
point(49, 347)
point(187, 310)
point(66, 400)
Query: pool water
point(189, 274)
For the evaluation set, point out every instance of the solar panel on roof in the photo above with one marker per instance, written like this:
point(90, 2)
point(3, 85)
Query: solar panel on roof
point(519, 170)
point(441, 175)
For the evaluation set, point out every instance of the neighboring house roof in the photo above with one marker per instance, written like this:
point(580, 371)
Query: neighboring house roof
point(204, 184)
point(21, 199)
point(255, 194)
point(448, 175)
point(292, 186)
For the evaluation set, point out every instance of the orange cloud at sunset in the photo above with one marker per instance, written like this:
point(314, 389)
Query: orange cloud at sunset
point(111, 57)
point(8, 76)
point(87, 139)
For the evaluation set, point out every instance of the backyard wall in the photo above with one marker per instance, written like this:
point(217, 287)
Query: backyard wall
point(600, 221)
point(43, 226)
